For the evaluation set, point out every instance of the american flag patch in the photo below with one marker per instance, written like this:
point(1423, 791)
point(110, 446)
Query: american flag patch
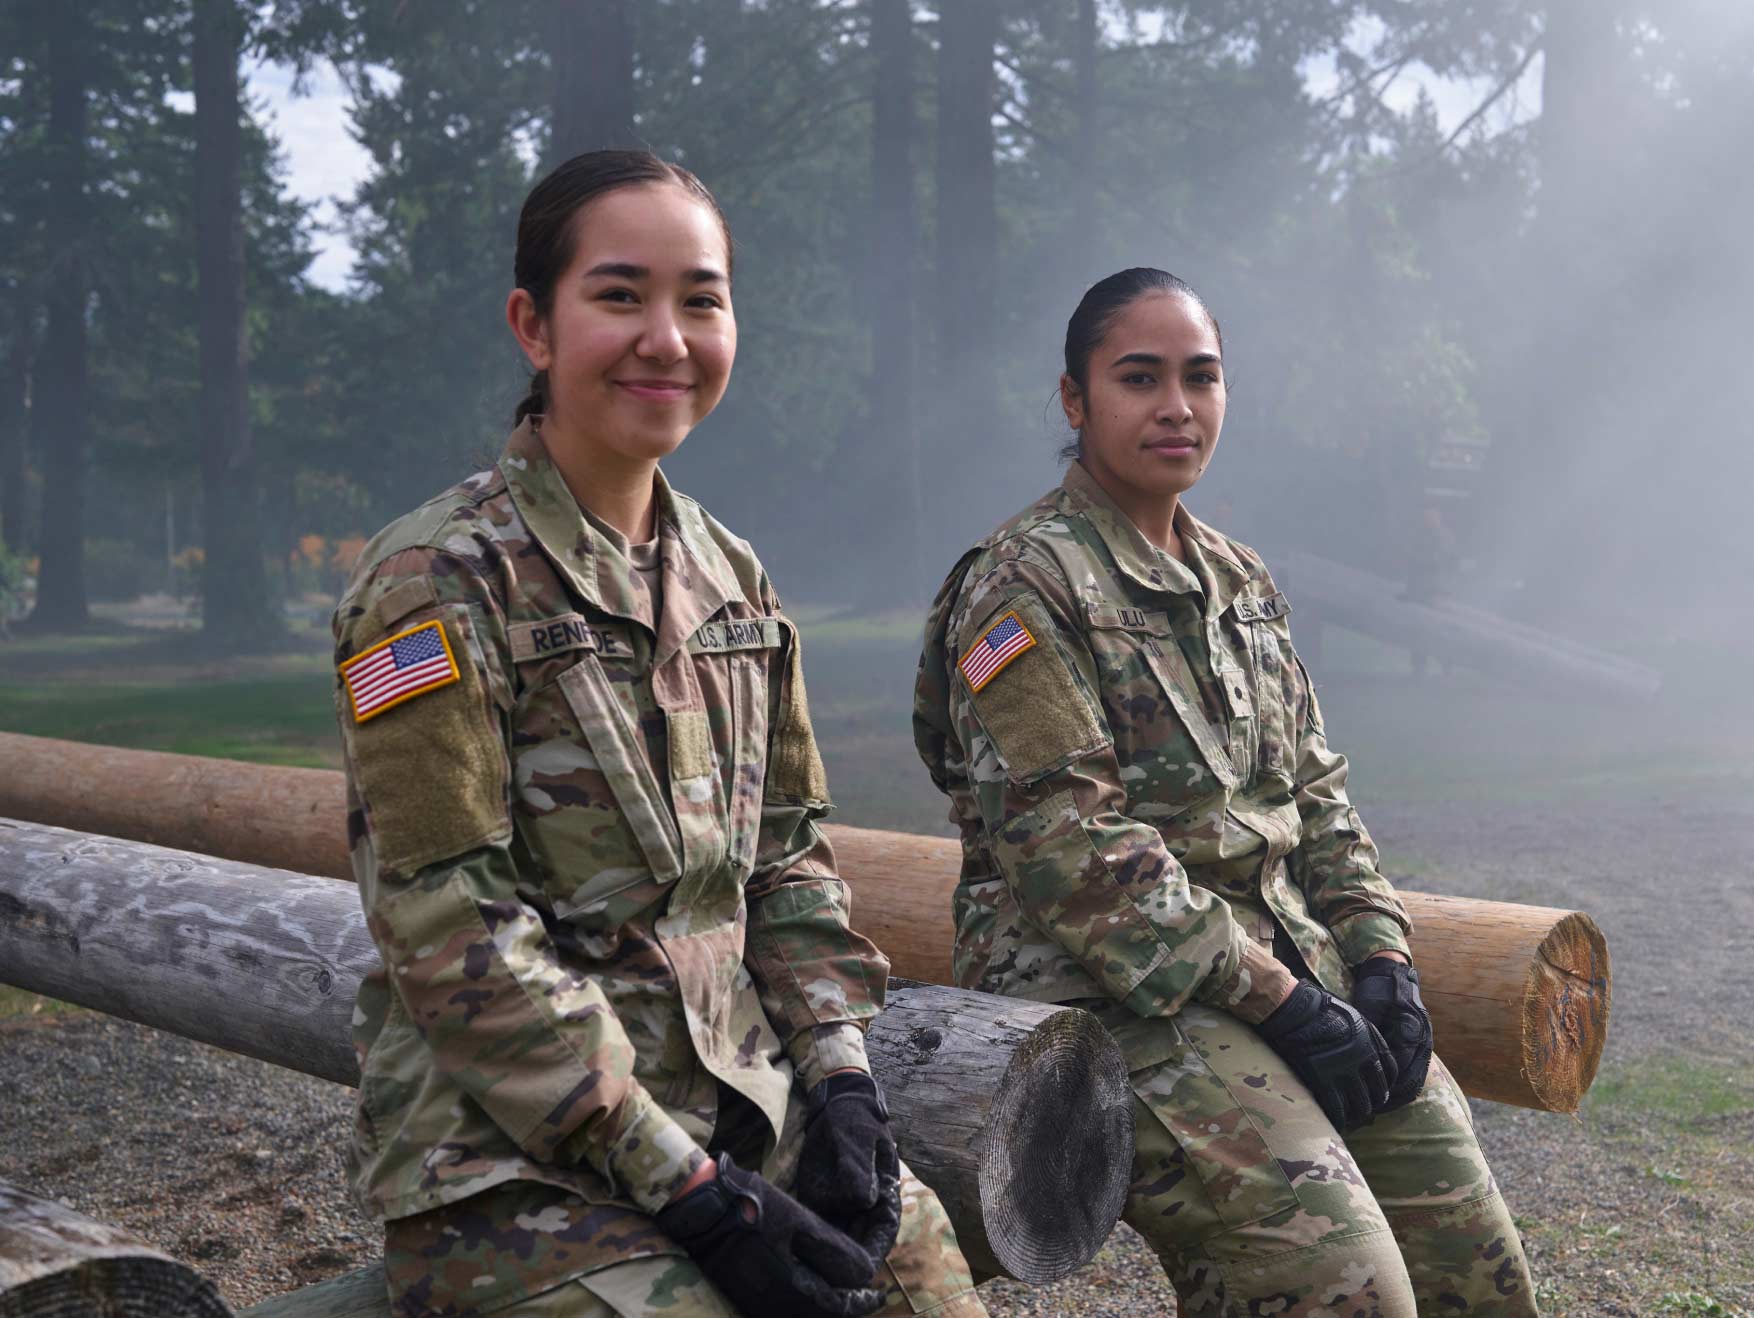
point(999, 645)
point(399, 668)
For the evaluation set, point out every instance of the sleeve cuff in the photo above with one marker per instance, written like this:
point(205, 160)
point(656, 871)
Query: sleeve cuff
point(1256, 987)
point(652, 1158)
point(1365, 935)
point(827, 1048)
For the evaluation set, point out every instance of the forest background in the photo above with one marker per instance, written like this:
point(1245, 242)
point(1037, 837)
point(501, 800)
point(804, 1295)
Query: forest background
point(1484, 273)
point(1533, 318)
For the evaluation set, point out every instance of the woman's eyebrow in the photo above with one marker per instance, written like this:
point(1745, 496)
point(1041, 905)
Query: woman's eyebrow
point(626, 270)
point(1137, 359)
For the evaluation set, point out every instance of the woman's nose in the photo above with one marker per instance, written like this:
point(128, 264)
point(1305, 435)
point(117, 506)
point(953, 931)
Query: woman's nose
point(1175, 411)
point(661, 339)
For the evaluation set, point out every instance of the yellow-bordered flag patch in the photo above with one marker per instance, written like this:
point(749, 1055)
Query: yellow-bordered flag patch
point(999, 645)
point(398, 668)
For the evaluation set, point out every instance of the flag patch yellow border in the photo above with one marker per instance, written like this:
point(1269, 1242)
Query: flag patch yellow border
point(990, 655)
point(376, 685)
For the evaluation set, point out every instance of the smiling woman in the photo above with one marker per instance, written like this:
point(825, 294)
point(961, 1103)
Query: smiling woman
point(613, 1061)
point(1154, 828)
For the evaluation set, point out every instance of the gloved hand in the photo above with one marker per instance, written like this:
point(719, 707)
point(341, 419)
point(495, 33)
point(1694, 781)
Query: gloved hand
point(1337, 1054)
point(1386, 993)
point(767, 1252)
point(849, 1171)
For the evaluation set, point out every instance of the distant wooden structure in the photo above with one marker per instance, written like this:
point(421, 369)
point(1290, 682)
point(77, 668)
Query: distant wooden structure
point(1457, 633)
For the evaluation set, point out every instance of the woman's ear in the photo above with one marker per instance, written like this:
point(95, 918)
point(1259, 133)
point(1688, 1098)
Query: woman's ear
point(528, 327)
point(1072, 401)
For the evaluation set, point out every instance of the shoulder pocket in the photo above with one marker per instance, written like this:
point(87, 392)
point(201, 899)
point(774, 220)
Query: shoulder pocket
point(1035, 709)
point(430, 766)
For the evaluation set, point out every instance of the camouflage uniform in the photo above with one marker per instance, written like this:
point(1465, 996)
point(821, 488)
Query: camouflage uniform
point(611, 928)
point(1148, 806)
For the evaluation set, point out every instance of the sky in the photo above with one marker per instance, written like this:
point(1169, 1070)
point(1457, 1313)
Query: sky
point(324, 163)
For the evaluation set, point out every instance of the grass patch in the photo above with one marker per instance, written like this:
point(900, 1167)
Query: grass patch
point(1683, 1090)
point(278, 719)
point(16, 1004)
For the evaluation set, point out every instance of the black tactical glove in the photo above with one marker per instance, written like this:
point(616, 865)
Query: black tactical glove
point(849, 1171)
point(1337, 1054)
point(780, 1259)
point(1386, 993)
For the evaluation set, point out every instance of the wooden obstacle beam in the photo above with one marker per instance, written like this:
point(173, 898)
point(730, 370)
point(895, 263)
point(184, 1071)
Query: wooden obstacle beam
point(56, 1263)
point(1017, 1113)
point(1519, 995)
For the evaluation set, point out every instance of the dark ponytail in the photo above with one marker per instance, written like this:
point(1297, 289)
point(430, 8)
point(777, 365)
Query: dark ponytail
point(1101, 303)
point(547, 228)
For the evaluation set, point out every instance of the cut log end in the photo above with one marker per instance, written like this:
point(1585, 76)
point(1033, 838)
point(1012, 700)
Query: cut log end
point(1565, 1012)
point(56, 1263)
point(1051, 1182)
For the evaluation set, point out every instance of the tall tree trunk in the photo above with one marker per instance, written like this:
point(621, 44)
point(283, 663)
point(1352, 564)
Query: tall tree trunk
point(591, 50)
point(234, 598)
point(60, 416)
point(890, 454)
point(1086, 175)
point(967, 267)
point(14, 426)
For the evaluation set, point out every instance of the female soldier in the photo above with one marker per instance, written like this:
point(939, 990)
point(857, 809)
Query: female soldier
point(584, 796)
point(1154, 827)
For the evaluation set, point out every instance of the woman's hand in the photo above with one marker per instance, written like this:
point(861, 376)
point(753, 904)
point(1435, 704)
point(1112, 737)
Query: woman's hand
point(849, 1170)
point(1385, 989)
point(1337, 1054)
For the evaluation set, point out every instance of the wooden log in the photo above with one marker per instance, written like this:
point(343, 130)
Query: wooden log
point(56, 1263)
point(1519, 995)
point(1017, 1113)
point(358, 1294)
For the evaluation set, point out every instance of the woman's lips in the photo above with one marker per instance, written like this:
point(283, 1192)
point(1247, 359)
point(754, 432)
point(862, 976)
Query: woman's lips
point(1171, 447)
point(661, 391)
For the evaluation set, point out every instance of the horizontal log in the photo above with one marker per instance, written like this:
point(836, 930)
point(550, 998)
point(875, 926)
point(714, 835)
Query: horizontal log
point(1017, 1113)
point(56, 1263)
point(1519, 995)
point(359, 1294)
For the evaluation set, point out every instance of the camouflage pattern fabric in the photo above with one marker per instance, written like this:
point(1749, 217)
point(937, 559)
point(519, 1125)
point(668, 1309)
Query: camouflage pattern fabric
point(1256, 1205)
point(591, 863)
point(1147, 803)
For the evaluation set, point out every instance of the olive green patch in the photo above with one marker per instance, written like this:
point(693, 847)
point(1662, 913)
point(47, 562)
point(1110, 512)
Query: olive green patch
point(399, 601)
point(794, 765)
point(691, 744)
point(1036, 712)
point(433, 773)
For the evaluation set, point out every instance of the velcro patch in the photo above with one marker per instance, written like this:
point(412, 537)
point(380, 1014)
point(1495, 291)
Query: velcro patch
point(995, 649)
point(1127, 619)
point(558, 635)
point(1261, 608)
point(399, 668)
point(1039, 718)
point(735, 634)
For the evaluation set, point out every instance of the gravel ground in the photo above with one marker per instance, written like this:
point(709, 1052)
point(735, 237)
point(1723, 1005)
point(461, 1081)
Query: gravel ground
point(1639, 1207)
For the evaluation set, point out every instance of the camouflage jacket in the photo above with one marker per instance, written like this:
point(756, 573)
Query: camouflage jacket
point(1135, 758)
point(586, 838)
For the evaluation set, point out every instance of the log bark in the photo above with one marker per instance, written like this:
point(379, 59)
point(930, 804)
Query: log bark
point(1519, 995)
point(1017, 1113)
point(56, 1263)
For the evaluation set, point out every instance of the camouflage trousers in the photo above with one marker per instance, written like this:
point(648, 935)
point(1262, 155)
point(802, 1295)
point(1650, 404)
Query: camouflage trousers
point(924, 1273)
point(1257, 1206)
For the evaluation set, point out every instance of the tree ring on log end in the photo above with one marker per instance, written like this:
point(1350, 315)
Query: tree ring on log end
point(1565, 1012)
point(1057, 1155)
point(161, 1287)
